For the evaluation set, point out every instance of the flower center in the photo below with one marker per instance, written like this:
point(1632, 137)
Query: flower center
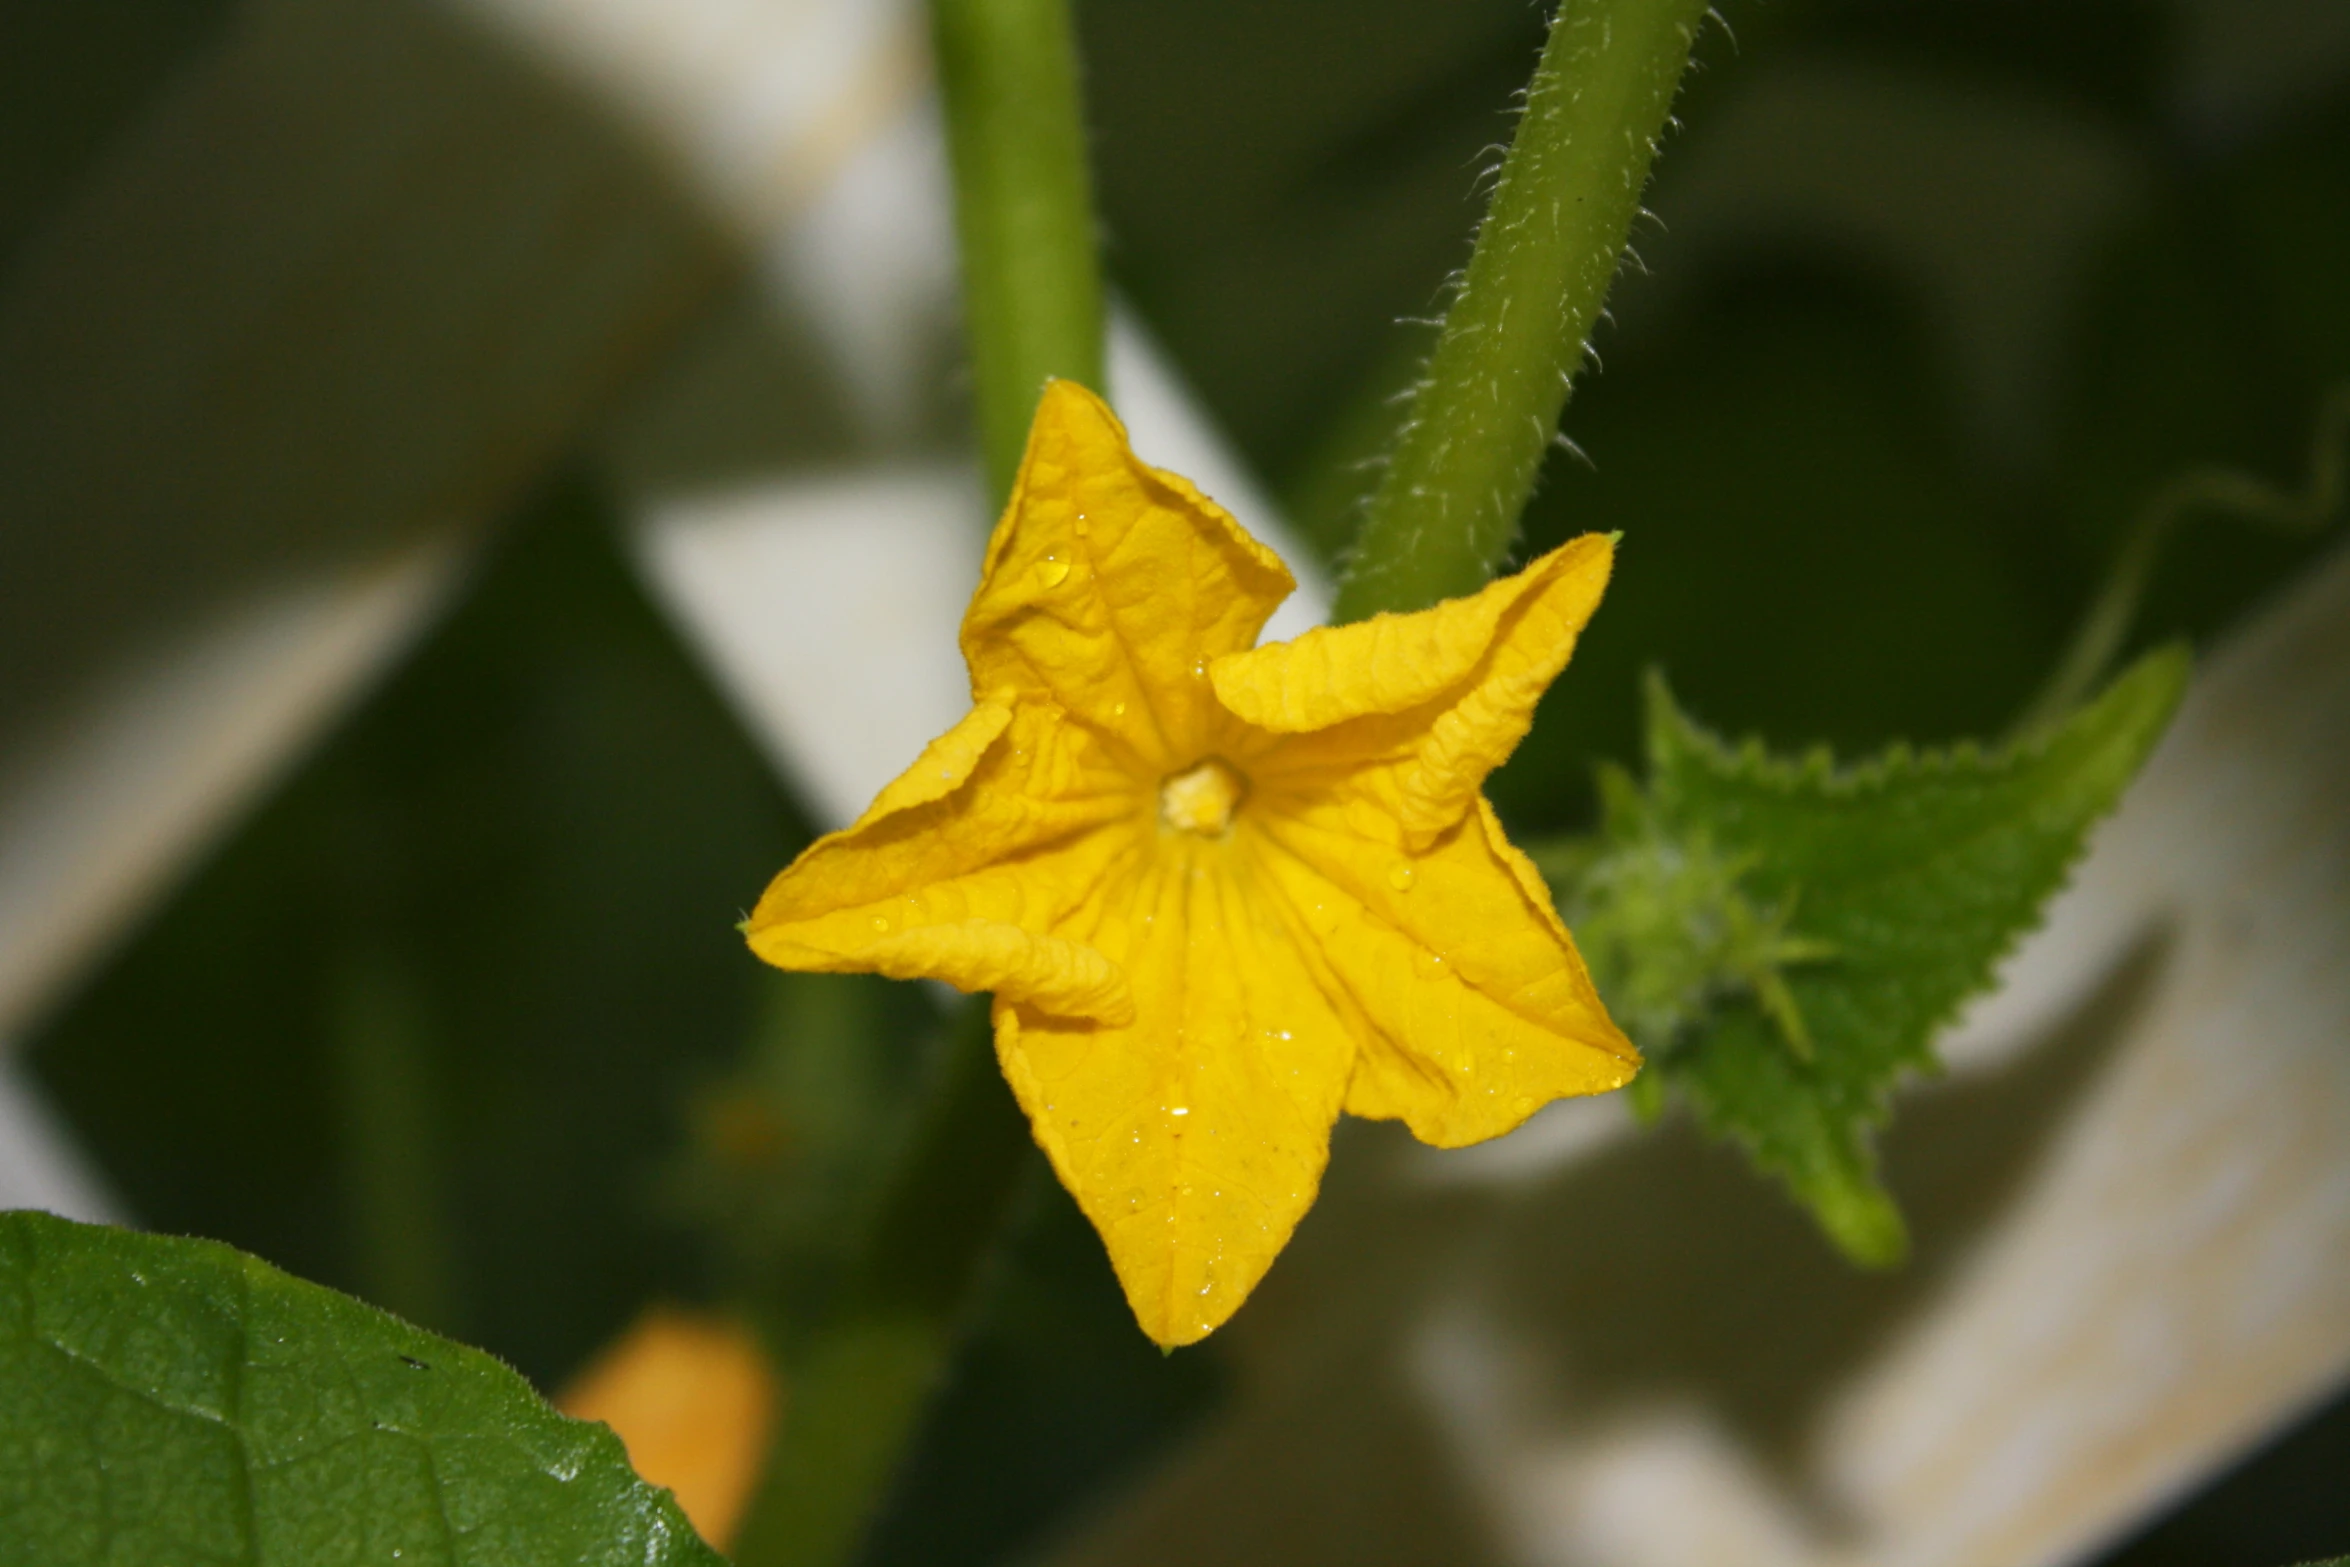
point(1202, 799)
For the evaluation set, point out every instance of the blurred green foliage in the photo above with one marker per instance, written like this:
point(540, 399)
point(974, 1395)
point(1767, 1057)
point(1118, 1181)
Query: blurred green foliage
point(784, 1155)
point(534, 838)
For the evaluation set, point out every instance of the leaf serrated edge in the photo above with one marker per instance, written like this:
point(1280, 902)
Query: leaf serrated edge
point(1669, 731)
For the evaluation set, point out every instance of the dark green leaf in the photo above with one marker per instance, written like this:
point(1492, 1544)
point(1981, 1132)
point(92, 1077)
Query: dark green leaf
point(174, 1403)
point(1915, 873)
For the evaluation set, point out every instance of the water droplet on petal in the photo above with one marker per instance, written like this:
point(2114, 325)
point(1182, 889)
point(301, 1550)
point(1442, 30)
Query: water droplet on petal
point(1083, 524)
point(1180, 1110)
point(1118, 710)
point(880, 923)
point(1052, 571)
point(1401, 877)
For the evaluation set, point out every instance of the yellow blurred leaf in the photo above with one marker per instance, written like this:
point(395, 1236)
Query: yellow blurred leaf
point(694, 1398)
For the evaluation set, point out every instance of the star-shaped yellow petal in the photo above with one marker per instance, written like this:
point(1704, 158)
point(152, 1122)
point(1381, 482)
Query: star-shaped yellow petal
point(1219, 891)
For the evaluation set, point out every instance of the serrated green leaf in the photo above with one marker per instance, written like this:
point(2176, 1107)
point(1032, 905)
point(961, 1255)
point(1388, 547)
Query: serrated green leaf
point(1918, 871)
point(175, 1403)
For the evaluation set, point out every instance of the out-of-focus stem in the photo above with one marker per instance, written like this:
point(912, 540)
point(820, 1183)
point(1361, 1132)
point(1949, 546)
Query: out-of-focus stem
point(382, 1040)
point(857, 1381)
point(1032, 292)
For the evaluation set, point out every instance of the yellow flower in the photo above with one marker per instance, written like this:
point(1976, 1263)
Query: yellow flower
point(1219, 891)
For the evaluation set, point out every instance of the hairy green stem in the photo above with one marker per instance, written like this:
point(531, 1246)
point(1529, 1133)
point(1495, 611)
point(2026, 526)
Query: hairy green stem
point(1032, 293)
point(1487, 407)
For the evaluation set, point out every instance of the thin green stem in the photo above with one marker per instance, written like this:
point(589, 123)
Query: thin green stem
point(1487, 408)
point(382, 1040)
point(858, 1381)
point(1032, 293)
point(2104, 630)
